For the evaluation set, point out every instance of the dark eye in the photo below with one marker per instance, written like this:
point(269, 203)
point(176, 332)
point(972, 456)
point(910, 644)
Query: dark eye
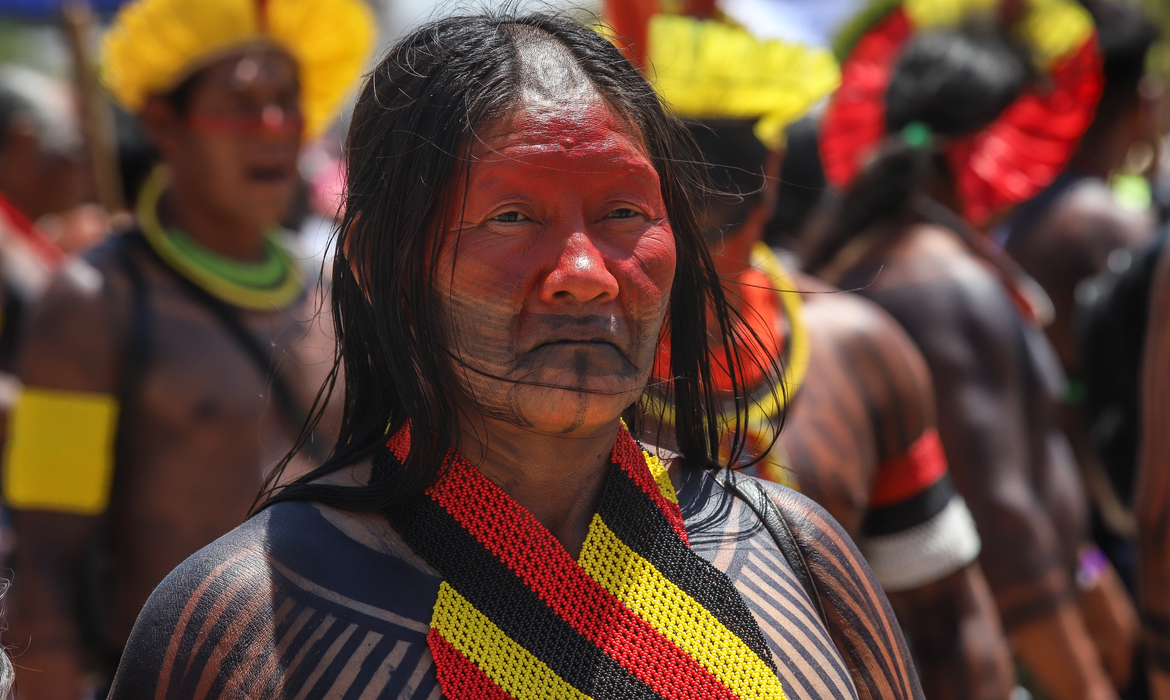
point(509, 217)
point(622, 214)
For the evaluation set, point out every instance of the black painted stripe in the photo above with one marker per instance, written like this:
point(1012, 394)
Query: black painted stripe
point(916, 510)
point(639, 523)
point(861, 605)
point(794, 611)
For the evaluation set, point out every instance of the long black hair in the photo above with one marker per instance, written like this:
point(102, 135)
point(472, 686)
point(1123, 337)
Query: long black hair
point(953, 83)
point(413, 127)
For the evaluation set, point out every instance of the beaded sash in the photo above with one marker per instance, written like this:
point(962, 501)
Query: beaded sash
point(637, 616)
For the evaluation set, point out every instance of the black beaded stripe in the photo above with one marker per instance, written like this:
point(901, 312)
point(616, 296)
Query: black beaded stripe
point(638, 522)
point(497, 592)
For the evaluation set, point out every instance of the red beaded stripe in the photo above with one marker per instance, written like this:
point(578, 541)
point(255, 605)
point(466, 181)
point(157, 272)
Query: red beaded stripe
point(628, 453)
point(458, 676)
point(544, 566)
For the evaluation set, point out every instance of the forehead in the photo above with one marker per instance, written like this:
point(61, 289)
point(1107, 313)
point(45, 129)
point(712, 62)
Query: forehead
point(580, 127)
point(265, 67)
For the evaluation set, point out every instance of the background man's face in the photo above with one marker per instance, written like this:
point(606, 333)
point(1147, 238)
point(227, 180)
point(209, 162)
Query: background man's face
point(238, 140)
point(556, 275)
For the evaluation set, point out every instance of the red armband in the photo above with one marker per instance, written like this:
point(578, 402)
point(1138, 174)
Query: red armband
point(910, 473)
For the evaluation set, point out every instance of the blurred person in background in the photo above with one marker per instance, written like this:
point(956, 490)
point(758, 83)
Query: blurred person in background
point(162, 386)
point(1076, 230)
point(859, 434)
point(906, 144)
point(1067, 232)
point(1152, 493)
point(42, 173)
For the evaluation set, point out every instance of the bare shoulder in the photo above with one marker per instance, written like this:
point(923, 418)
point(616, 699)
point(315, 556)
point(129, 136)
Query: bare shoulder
point(859, 326)
point(860, 620)
point(947, 300)
point(73, 331)
point(287, 600)
point(1088, 215)
point(857, 649)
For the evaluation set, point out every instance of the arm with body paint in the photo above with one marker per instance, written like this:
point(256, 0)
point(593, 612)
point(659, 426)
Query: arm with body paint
point(860, 621)
point(57, 473)
point(1153, 487)
point(968, 333)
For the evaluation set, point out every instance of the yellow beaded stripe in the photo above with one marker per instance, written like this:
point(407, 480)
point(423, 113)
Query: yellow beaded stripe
point(642, 588)
point(509, 665)
point(661, 474)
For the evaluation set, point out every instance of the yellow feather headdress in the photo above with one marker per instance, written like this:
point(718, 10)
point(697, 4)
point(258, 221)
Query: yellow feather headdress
point(712, 69)
point(154, 44)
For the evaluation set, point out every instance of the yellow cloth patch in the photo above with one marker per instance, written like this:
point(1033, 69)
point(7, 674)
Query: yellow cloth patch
point(643, 589)
point(510, 666)
point(60, 452)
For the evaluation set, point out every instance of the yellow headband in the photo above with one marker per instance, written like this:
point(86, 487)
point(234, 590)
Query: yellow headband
point(154, 44)
point(710, 69)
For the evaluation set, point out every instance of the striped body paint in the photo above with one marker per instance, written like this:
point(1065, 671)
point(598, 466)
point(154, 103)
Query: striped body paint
point(304, 602)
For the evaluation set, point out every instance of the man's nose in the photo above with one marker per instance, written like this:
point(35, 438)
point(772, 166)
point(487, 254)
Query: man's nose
point(580, 274)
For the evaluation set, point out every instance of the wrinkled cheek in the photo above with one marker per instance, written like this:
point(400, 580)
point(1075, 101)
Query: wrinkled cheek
point(651, 279)
point(656, 258)
point(481, 310)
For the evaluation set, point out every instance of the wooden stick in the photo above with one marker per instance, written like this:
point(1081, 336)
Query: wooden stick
point(97, 118)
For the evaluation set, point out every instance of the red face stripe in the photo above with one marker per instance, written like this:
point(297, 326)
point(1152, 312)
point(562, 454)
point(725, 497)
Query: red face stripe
point(459, 677)
point(911, 473)
point(630, 459)
point(539, 560)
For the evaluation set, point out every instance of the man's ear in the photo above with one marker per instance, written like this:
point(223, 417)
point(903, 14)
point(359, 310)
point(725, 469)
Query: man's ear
point(161, 123)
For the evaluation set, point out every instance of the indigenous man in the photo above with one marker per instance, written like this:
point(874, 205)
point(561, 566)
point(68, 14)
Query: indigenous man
point(517, 230)
point(1153, 486)
point(859, 432)
point(161, 387)
point(913, 148)
point(1068, 232)
point(41, 172)
point(1076, 229)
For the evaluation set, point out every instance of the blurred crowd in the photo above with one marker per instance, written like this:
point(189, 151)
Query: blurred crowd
point(948, 226)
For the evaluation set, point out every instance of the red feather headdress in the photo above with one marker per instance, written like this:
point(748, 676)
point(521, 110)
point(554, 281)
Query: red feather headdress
point(1013, 158)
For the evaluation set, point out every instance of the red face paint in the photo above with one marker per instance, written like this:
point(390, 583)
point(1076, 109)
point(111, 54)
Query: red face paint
point(556, 274)
point(271, 119)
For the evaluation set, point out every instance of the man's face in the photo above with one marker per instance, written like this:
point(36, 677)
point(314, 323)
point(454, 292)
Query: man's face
point(556, 274)
point(237, 143)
